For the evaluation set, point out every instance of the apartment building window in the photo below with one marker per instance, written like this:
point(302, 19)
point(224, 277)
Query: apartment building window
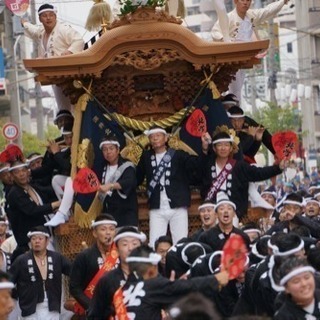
point(195, 1)
point(289, 47)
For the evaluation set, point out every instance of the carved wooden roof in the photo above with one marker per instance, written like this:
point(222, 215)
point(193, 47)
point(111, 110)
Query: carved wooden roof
point(147, 40)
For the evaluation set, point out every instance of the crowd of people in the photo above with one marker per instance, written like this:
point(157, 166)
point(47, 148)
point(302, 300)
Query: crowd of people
point(169, 274)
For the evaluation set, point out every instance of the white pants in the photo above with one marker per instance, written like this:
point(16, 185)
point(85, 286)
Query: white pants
point(160, 218)
point(58, 182)
point(67, 199)
point(43, 313)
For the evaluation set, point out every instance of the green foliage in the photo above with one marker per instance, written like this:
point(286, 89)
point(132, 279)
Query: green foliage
point(277, 119)
point(128, 7)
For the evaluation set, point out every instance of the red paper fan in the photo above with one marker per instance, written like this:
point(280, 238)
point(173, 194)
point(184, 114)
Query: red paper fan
point(86, 181)
point(196, 124)
point(234, 256)
point(11, 153)
point(17, 7)
point(285, 144)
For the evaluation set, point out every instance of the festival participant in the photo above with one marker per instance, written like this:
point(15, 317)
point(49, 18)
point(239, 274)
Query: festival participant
point(145, 293)
point(243, 22)
point(302, 297)
point(219, 172)
point(169, 196)
point(6, 301)
point(101, 305)
point(162, 246)
point(291, 216)
point(91, 264)
point(208, 219)
point(117, 190)
point(312, 209)
point(268, 286)
point(34, 160)
point(54, 39)
point(38, 276)
point(29, 206)
point(217, 236)
point(7, 182)
point(182, 255)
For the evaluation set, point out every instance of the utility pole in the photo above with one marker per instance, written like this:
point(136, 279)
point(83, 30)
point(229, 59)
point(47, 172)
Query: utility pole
point(38, 90)
point(12, 73)
point(253, 90)
point(305, 72)
point(272, 81)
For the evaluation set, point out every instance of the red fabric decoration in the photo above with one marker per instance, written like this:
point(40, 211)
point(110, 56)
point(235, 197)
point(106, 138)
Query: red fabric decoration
point(196, 124)
point(86, 181)
point(11, 153)
point(17, 7)
point(234, 256)
point(285, 144)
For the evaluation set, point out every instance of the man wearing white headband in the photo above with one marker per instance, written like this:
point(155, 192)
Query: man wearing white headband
point(6, 301)
point(38, 276)
point(312, 209)
point(208, 218)
point(169, 197)
point(146, 293)
point(6, 180)
point(92, 263)
point(29, 206)
point(291, 217)
point(220, 172)
point(217, 236)
point(302, 297)
point(54, 39)
point(101, 305)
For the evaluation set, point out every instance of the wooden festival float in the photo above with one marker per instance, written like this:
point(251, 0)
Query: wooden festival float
point(148, 67)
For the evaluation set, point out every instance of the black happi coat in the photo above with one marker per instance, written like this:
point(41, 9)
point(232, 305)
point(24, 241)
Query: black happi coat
point(85, 266)
point(177, 176)
point(24, 214)
point(146, 298)
point(30, 285)
point(216, 238)
point(237, 182)
point(124, 210)
point(291, 311)
point(101, 305)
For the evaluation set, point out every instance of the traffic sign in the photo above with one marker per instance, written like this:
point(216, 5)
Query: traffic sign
point(10, 131)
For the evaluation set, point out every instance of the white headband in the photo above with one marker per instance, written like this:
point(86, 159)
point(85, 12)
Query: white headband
point(34, 158)
point(235, 116)
point(313, 200)
point(254, 251)
point(140, 236)
point(5, 168)
point(37, 233)
point(6, 285)
point(153, 258)
point(4, 222)
point(316, 195)
point(105, 221)
point(252, 230)
point(18, 166)
point(65, 132)
point(206, 205)
point(183, 252)
point(233, 103)
point(226, 202)
point(216, 253)
point(295, 272)
point(269, 192)
point(50, 10)
point(273, 247)
point(222, 140)
point(115, 143)
point(292, 202)
point(289, 252)
point(155, 130)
